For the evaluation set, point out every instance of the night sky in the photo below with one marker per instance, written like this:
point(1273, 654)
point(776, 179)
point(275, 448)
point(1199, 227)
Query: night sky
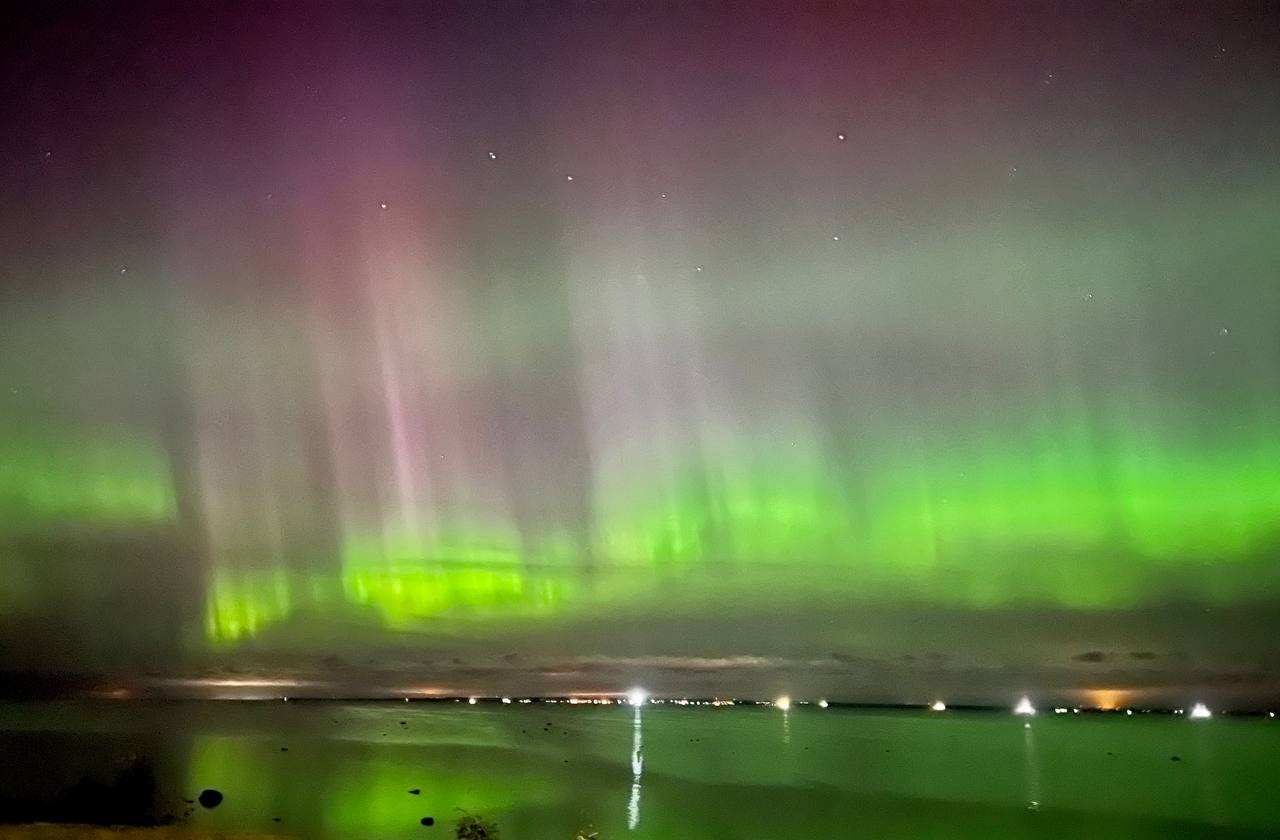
point(879, 353)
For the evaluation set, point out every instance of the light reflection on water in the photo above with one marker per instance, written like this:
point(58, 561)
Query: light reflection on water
point(637, 767)
point(1033, 768)
point(344, 771)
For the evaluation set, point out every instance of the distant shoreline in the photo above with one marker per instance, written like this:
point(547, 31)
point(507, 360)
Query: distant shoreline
point(610, 700)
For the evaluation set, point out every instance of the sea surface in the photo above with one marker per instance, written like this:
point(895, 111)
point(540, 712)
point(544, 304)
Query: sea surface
point(545, 771)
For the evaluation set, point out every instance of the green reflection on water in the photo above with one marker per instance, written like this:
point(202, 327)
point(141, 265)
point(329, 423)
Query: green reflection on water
point(541, 772)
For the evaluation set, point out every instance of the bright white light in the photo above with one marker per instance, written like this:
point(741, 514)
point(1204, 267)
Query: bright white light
point(1059, 711)
point(822, 704)
point(783, 702)
point(1271, 714)
point(938, 706)
point(471, 700)
point(506, 700)
point(637, 696)
point(1024, 707)
point(286, 699)
point(1128, 712)
point(1200, 711)
point(383, 205)
point(840, 137)
point(568, 177)
point(493, 155)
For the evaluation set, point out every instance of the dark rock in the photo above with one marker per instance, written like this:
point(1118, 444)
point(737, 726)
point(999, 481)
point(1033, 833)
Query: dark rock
point(210, 798)
point(1175, 758)
point(284, 749)
point(416, 791)
point(428, 820)
point(130, 798)
point(275, 819)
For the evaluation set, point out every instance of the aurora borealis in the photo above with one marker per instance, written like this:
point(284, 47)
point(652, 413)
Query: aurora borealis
point(459, 342)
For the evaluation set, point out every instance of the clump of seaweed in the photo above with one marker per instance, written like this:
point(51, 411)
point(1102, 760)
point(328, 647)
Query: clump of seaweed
point(472, 827)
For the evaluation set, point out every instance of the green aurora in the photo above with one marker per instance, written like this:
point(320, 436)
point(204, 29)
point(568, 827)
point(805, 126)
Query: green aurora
point(462, 348)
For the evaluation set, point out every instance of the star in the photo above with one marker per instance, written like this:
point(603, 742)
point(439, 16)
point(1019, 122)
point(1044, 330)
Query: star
point(123, 269)
point(1224, 331)
point(383, 205)
point(841, 137)
point(835, 239)
point(568, 177)
point(493, 155)
point(697, 268)
point(662, 195)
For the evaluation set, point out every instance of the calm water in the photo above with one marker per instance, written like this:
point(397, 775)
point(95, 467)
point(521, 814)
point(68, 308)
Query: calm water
point(542, 771)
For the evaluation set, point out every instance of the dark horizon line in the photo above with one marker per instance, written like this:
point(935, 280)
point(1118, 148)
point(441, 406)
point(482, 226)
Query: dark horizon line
point(620, 699)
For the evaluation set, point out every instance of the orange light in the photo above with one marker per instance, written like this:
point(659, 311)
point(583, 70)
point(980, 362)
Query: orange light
point(1109, 699)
